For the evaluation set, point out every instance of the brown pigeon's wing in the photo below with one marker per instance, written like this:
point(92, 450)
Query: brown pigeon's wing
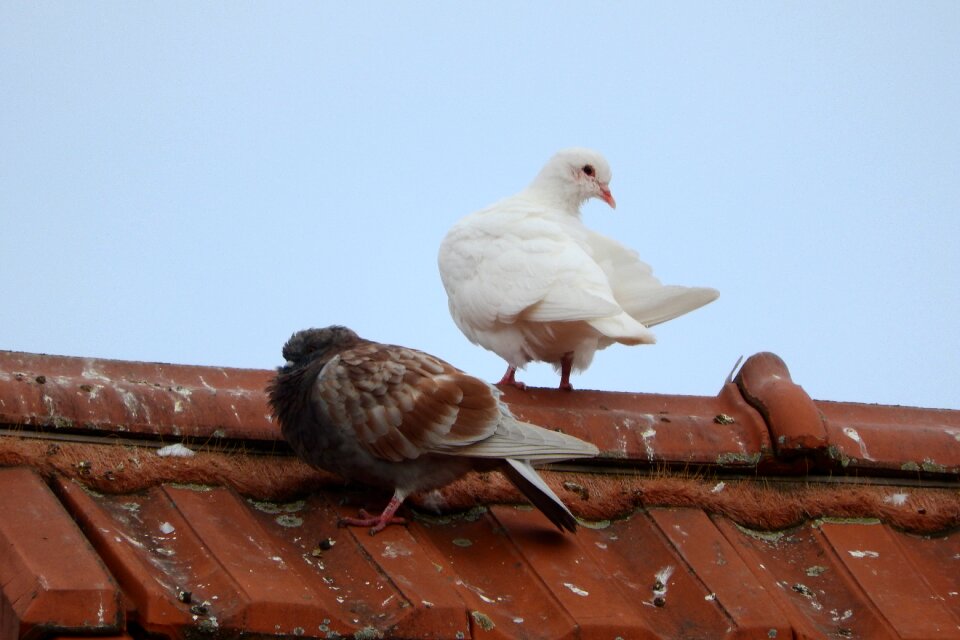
point(403, 403)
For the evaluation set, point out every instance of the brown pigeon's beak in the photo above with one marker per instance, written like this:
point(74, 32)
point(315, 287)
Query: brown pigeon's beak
point(607, 197)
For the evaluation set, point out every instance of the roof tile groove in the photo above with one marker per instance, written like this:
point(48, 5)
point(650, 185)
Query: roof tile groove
point(807, 581)
point(723, 572)
point(910, 604)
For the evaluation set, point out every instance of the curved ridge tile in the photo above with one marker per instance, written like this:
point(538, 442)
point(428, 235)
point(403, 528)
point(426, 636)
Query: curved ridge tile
point(794, 422)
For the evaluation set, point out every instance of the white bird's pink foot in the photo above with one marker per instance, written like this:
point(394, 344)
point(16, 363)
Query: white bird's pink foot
point(510, 378)
point(566, 366)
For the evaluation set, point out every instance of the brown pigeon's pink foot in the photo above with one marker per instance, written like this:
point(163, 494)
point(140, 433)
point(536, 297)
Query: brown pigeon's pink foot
point(510, 378)
point(378, 523)
point(566, 366)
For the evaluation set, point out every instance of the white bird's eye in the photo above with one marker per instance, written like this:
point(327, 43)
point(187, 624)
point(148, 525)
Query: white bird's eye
point(589, 170)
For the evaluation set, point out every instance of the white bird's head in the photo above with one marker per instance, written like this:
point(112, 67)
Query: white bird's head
point(575, 175)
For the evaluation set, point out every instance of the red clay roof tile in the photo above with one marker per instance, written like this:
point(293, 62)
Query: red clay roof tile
point(794, 422)
point(874, 558)
point(192, 559)
point(52, 581)
point(133, 398)
point(895, 440)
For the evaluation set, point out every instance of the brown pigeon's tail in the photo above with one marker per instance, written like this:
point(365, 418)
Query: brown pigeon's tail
point(531, 485)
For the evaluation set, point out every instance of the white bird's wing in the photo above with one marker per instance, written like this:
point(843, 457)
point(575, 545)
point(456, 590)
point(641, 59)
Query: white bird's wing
point(503, 265)
point(637, 290)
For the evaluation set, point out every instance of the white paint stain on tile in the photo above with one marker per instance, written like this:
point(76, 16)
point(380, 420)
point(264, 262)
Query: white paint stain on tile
point(662, 579)
point(840, 617)
point(92, 373)
point(864, 554)
point(176, 450)
point(897, 499)
point(392, 551)
point(577, 590)
point(851, 433)
point(130, 401)
point(646, 437)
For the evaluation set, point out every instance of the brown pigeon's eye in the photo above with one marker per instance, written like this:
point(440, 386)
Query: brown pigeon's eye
point(589, 170)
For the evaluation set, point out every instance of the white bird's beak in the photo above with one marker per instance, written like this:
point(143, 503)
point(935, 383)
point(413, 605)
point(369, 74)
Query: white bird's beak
point(607, 196)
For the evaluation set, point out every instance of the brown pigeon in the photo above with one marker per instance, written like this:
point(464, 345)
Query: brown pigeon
point(403, 420)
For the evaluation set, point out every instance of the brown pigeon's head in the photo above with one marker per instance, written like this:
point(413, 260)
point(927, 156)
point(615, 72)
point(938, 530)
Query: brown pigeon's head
point(310, 344)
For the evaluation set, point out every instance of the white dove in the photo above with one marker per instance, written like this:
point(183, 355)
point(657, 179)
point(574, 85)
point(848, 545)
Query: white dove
point(527, 280)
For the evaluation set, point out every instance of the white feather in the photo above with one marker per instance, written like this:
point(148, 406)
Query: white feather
point(527, 280)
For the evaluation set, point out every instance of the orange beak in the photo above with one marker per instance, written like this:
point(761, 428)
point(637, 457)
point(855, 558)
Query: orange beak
point(607, 197)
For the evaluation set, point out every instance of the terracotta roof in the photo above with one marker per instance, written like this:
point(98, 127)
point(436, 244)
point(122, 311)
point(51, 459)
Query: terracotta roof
point(757, 513)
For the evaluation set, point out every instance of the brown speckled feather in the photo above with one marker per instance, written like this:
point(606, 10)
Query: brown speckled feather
point(402, 419)
point(403, 403)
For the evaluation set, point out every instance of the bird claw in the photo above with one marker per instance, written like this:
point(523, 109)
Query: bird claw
point(377, 523)
point(509, 378)
point(566, 367)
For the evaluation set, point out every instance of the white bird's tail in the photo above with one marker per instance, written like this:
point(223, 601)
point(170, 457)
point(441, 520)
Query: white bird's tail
point(623, 329)
point(664, 303)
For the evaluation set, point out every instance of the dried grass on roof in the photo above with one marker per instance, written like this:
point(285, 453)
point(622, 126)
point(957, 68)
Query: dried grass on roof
point(119, 469)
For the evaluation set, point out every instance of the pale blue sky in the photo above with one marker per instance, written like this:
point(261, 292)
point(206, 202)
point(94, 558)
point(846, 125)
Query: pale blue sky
point(191, 182)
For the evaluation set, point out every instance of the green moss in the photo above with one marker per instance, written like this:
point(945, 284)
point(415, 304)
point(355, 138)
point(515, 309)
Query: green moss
point(767, 536)
point(932, 467)
point(834, 452)
point(483, 620)
point(277, 507)
point(738, 459)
